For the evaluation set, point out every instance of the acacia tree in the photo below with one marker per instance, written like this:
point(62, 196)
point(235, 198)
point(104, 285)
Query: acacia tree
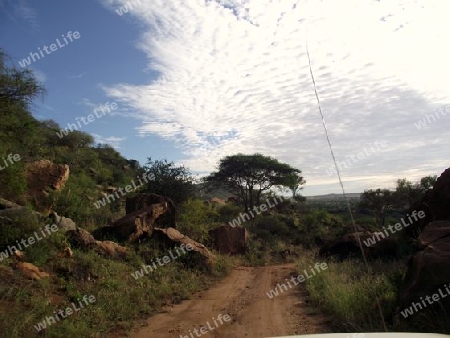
point(18, 89)
point(168, 179)
point(379, 201)
point(247, 176)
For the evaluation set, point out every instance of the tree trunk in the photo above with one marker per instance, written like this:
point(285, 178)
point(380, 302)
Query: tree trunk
point(250, 192)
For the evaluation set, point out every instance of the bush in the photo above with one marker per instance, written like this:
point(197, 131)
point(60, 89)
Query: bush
point(13, 182)
point(76, 201)
point(196, 219)
point(255, 255)
point(17, 224)
point(317, 226)
point(229, 212)
point(275, 224)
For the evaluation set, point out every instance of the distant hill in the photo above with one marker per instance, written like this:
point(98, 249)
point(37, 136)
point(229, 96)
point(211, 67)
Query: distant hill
point(333, 196)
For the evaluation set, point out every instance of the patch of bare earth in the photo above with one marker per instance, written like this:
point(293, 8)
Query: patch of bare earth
point(241, 295)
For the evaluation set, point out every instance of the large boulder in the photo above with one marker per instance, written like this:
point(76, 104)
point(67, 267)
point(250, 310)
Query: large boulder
point(428, 269)
point(83, 239)
point(230, 240)
point(173, 237)
point(439, 199)
point(43, 177)
point(143, 200)
point(348, 246)
point(31, 271)
point(435, 204)
point(64, 224)
point(343, 247)
point(133, 225)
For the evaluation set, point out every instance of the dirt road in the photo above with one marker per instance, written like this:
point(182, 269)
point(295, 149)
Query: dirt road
point(241, 295)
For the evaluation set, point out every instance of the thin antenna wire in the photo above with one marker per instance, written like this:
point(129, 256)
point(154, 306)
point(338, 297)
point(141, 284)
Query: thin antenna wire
point(340, 180)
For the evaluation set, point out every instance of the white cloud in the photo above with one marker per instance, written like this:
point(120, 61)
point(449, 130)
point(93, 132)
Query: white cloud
point(113, 141)
point(234, 77)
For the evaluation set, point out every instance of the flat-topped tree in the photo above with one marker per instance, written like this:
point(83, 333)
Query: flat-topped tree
point(247, 176)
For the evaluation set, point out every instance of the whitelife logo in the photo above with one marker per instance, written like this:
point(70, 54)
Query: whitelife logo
point(165, 260)
point(31, 240)
point(300, 278)
point(106, 108)
point(64, 313)
point(204, 329)
point(53, 47)
point(359, 156)
point(442, 111)
point(129, 188)
point(237, 221)
point(12, 159)
point(417, 306)
point(128, 7)
point(398, 226)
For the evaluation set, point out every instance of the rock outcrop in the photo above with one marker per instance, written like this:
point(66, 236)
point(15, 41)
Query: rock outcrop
point(230, 240)
point(31, 271)
point(143, 200)
point(43, 177)
point(172, 237)
point(63, 223)
point(348, 246)
point(435, 204)
point(83, 239)
point(439, 197)
point(134, 225)
point(429, 269)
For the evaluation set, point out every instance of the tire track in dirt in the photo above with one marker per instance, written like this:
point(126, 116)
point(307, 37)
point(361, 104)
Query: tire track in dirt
point(242, 295)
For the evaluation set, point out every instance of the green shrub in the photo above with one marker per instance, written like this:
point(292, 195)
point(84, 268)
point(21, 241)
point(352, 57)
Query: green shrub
point(222, 265)
point(317, 226)
point(13, 182)
point(229, 212)
point(256, 254)
point(76, 201)
point(196, 219)
point(17, 224)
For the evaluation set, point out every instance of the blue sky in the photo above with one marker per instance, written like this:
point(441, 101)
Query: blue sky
point(198, 80)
